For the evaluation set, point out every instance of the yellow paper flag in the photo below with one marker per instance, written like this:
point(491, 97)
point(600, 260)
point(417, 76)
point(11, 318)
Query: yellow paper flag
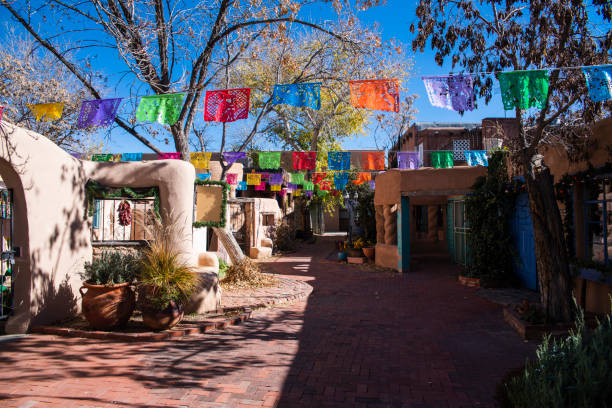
point(253, 179)
point(275, 187)
point(47, 112)
point(200, 160)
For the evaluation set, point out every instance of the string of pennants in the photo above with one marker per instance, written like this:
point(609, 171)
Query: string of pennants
point(335, 179)
point(520, 89)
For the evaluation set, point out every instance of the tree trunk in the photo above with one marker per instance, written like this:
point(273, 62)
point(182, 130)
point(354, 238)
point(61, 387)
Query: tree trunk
point(231, 245)
point(550, 245)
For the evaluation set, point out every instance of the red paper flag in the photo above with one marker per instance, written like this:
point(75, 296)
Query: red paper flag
point(362, 178)
point(375, 94)
point(373, 160)
point(325, 185)
point(304, 160)
point(1, 111)
point(227, 105)
point(318, 177)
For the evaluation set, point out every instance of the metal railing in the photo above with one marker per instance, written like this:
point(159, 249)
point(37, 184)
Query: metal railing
point(7, 270)
point(107, 228)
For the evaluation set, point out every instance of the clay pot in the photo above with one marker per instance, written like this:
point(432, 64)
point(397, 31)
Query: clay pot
point(352, 252)
point(106, 307)
point(162, 319)
point(369, 253)
point(342, 256)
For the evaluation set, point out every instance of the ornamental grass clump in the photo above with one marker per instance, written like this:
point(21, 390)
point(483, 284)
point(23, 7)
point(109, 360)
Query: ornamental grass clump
point(571, 372)
point(247, 274)
point(164, 273)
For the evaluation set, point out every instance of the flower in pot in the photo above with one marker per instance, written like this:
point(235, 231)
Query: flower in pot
point(368, 250)
point(341, 245)
point(108, 295)
point(166, 279)
point(354, 250)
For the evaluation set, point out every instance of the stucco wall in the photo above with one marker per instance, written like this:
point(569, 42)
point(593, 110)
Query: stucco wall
point(51, 224)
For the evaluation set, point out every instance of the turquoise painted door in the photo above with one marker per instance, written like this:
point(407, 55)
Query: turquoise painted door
point(521, 230)
point(450, 237)
point(457, 231)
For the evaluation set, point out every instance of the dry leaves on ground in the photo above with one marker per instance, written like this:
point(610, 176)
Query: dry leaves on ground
point(247, 274)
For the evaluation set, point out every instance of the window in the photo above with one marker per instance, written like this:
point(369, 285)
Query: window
point(598, 218)
point(108, 225)
point(268, 220)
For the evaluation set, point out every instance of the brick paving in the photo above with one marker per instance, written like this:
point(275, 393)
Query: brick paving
point(363, 339)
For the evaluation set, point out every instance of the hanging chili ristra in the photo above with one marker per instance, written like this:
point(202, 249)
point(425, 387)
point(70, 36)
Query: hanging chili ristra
point(125, 214)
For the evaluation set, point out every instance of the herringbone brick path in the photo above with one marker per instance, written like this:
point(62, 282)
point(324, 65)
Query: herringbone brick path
point(361, 339)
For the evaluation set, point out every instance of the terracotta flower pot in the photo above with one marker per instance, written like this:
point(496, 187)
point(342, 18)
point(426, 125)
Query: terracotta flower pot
point(369, 253)
point(354, 253)
point(106, 307)
point(163, 319)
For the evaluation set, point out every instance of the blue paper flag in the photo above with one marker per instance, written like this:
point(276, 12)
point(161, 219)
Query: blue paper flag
point(298, 95)
point(341, 180)
point(203, 176)
point(339, 160)
point(599, 82)
point(242, 186)
point(476, 157)
point(131, 156)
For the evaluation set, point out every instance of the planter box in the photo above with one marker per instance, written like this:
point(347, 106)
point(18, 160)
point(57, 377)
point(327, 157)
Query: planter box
point(469, 282)
point(356, 259)
point(530, 331)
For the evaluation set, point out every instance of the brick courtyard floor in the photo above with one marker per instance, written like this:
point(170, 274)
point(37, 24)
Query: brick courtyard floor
point(364, 339)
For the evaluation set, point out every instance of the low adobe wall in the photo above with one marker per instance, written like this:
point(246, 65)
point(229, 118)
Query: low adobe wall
point(52, 227)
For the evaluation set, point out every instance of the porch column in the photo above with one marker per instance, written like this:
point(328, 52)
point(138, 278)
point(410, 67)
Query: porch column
point(390, 224)
point(380, 224)
point(403, 235)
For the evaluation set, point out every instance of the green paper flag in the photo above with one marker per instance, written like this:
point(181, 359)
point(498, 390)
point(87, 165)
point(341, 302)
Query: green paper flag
point(297, 178)
point(164, 109)
point(523, 89)
point(322, 193)
point(269, 160)
point(442, 159)
point(308, 186)
point(101, 157)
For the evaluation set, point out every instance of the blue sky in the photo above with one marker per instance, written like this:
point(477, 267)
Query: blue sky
point(393, 18)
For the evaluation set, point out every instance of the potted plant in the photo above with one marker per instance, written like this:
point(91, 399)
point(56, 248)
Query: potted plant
point(107, 291)
point(355, 250)
point(368, 250)
point(166, 279)
point(341, 245)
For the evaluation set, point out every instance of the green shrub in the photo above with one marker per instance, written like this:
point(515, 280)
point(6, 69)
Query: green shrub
point(223, 267)
point(111, 267)
point(572, 372)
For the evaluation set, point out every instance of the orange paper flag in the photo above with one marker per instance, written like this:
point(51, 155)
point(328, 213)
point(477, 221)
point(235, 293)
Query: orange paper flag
point(373, 160)
point(375, 94)
point(362, 178)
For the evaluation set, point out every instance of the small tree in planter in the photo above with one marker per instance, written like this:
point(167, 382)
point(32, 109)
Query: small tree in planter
point(166, 279)
point(109, 300)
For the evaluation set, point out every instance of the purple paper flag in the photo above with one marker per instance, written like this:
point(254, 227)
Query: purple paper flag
point(372, 184)
point(408, 160)
point(275, 179)
point(292, 187)
point(98, 112)
point(308, 193)
point(231, 157)
point(455, 92)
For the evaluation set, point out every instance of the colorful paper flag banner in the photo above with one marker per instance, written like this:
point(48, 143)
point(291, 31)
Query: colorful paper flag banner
point(408, 160)
point(317, 178)
point(200, 160)
point(98, 112)
point(231, 178)
point(304, 160)
point(372, 184)
point(443, 159)
point(102, 157)
point(362, 178)
point(322, 193)
point(227, 105)
point(275, 179)
point(203, 176)
point(1, 112)
point(341, 180)
point(164, 109)
point(599, 82)
point(308, 193)
point(47, 112)
point(231, 157)
point(269, 160)
point(169, 156)
point(292, 187)
point(265, 176)
point(253, 179)
point(373, 160)
point(339, 160)
point(242, 186)
point(297, 178)
point(274, 187)
point(325, 185)
point(283, 192)
point(523, 89)
point(261, 186)
point(476, 157)
point(297, 193)
point(76, 155)
point(308, 186)
point(298, 95)
point(375, 94)
point(131, 157)
point(455, 92)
